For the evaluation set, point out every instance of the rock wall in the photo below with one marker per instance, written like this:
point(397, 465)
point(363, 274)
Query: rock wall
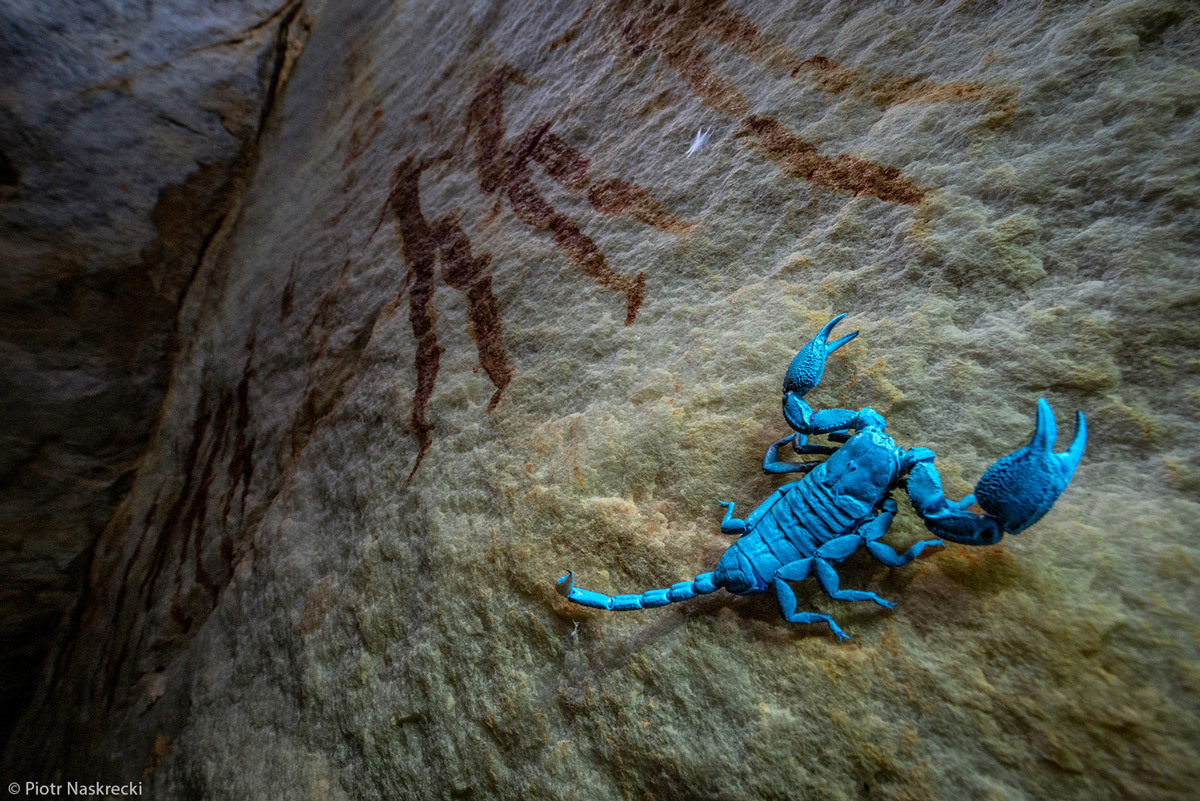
point(476, 317)
point(124, 130)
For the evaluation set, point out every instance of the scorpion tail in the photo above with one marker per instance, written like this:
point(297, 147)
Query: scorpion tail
point(681, 591)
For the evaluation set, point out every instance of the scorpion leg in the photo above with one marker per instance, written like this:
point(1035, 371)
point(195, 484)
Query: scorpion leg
point(773, 464)
point(827, 577)
point(877, 526)
point(887, 554)
point(731, 524)
point(798, 571)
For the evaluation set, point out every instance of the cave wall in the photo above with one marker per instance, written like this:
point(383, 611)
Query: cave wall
point(124, 131)
point(474, 317)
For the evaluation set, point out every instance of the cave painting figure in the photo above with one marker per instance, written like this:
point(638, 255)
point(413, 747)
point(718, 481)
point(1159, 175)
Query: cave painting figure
point(681, 35)
point(505, 172)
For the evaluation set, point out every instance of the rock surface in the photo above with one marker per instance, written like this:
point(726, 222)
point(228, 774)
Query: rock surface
point(123, 133)
point(478, 318)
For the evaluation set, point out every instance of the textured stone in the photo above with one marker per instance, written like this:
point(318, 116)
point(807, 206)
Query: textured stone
point(123, 131)
point(478, 320)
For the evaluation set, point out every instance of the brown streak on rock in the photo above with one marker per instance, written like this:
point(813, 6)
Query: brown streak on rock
point(532, 209)
point(162, 545)
point(363, 132)
point(192, 525)
point(467, 274)
point(952, 92)
point(171, 519)
point(185, 521)
point(826, 74)
point(572, 31)
point(330, 366)
point(114, 663)
point(676, 31)
point(420, 250)
point(705, 83)
point(562, 162)
point(485, 118)
point(241, 464)
point(830, 76)
point(845, 173)
point(289, 289)
point(615, 197)
point(422, 243)
point(505, 171)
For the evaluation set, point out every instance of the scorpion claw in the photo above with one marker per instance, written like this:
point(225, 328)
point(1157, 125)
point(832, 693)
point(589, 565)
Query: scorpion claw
point(806, 369)
point(1021, 487)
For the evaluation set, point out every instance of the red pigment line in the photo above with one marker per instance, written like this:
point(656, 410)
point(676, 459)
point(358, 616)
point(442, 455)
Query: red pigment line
point(845, 173)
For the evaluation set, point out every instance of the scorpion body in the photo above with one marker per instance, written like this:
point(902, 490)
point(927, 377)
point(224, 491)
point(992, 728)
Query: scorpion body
point(844, 502)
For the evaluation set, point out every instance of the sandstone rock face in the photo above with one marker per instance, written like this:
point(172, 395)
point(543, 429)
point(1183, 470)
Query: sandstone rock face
point(122, 134)
point(478, 318)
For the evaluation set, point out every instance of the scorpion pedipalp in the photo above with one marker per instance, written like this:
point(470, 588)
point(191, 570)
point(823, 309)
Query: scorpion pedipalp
point(806, 369)
point(1021, 487)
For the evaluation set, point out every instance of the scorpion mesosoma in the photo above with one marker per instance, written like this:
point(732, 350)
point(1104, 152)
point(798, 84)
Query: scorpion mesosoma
point(844, 502)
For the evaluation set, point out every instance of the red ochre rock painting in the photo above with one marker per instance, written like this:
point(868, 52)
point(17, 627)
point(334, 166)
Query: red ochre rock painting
point(422, 243)
point(677, 33)
point(504, 171)
point(800, 159)
point(674, 32)
point(175, 554)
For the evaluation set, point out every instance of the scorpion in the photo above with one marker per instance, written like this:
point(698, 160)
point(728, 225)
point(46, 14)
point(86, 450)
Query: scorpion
point(844, 502)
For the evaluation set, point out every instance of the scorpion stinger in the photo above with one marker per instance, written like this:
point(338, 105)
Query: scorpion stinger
point(844, 502)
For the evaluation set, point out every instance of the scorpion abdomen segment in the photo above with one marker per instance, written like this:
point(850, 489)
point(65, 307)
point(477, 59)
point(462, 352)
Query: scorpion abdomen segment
point(798, 519)
point(819, 514)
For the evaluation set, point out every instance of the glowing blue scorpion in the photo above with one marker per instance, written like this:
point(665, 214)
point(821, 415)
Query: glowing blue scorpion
point(844, 503)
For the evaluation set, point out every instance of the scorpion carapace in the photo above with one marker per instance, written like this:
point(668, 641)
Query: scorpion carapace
point(844, 503)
